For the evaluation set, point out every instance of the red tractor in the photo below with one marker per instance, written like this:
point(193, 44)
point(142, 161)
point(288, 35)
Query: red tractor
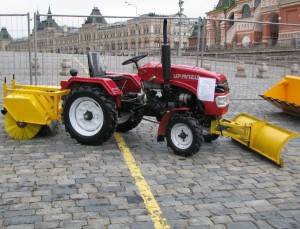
point(184, 100)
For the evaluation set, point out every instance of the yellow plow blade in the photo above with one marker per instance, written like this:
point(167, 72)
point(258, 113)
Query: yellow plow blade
point(262, 137)
point(285, 95)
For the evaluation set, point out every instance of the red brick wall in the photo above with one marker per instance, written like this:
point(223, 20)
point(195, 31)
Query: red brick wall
point(193, 43)
point(290, 14)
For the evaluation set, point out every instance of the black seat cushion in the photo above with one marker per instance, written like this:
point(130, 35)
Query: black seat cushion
point(96, 69)
point(114, 77)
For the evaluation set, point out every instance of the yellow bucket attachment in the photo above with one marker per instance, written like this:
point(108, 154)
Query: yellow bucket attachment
point(264, 138)
point(29, 107)
point(285, 95)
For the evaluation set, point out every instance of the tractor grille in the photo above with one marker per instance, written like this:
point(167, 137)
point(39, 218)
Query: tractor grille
point(222, 87)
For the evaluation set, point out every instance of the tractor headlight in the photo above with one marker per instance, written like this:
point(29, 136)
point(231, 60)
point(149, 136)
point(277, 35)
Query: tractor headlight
point(222, 101)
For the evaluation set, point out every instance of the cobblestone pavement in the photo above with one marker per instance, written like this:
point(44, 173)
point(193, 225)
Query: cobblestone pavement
point(54, 182)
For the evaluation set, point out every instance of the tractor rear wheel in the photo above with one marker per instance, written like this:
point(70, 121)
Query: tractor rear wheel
point(184, 135)
point(90, 115)
point(130, 122)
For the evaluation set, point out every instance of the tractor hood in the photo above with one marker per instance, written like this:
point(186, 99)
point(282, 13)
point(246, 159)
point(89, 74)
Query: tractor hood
point(178, 72)
point(189, 72)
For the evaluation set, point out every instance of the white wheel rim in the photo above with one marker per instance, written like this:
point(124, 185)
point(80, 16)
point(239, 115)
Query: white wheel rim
point(86, 116)
point(181, 136)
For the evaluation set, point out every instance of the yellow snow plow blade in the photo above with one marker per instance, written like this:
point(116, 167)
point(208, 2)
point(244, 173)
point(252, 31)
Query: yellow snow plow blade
point(285, 95)
point(28, 107)
point(262, 137)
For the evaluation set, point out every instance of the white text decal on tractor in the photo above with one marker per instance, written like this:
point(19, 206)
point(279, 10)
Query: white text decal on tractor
point(185, 77)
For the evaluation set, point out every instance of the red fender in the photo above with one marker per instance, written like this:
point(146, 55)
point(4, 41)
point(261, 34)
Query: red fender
point(107, 84)
point(165, 121)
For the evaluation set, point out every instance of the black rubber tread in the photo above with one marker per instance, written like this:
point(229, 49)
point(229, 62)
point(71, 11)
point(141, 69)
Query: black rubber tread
point(131, 123)
point(49, 130)
point(109, 110)
point(196, 130)
point(207, 136)
point(210, 137)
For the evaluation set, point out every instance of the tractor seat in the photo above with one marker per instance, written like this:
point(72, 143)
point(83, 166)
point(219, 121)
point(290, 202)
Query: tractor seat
point(96, 68)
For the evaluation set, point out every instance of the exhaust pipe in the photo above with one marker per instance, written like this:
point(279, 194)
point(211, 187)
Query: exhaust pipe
point(166, 59)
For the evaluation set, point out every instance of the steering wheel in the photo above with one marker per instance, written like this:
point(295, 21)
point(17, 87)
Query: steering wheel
point(134, 59)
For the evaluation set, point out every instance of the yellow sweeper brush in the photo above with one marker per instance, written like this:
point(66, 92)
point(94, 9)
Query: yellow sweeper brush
point(20, 130)
point(285, 95)
point(27, 108)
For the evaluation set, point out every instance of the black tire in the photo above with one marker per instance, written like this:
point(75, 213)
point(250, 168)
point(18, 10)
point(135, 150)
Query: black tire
point(206, 132)
point(131, 123)
point(210, 137)
point(195, 129)
point(108, 107)
point(49, 130)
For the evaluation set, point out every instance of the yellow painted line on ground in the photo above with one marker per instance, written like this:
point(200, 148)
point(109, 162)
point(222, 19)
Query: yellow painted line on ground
point(150, 202)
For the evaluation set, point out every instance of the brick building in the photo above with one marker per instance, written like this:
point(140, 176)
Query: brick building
point(243, 34)
point(142, 35)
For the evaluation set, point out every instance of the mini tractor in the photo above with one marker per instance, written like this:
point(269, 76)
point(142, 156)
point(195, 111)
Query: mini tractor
point(188, 102)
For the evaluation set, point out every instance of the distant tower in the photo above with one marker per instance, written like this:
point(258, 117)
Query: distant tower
point(49, 17)
point(180, 4)
point(38, 17)
point(95, 20)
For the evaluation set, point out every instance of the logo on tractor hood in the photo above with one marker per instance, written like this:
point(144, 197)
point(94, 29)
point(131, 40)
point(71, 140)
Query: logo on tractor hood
point(186, 77)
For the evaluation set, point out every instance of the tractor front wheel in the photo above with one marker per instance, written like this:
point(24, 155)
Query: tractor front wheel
point(89, 115)
point(184, 135)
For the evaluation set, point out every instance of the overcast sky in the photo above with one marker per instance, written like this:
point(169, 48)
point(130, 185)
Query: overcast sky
point(192, 8)
point(17, 26)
